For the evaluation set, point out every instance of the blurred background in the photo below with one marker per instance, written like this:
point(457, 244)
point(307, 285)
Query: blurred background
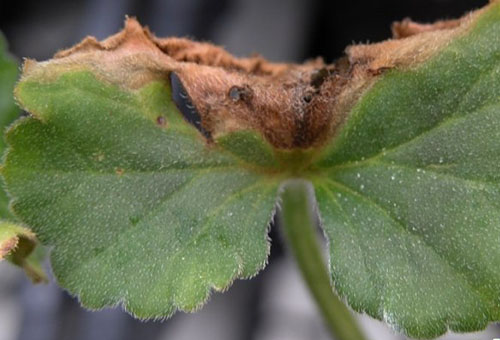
point(275, 305)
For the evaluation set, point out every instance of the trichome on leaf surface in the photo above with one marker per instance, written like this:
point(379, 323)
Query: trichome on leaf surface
point(145, 208)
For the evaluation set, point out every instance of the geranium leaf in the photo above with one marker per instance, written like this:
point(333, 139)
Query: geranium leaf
point(150, 209)
point(140, 212)
point(410, 191)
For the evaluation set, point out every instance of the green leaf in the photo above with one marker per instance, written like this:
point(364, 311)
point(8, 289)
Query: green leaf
point(142, 209)
point(8, 110)
point(138, 213)
point(409, 191)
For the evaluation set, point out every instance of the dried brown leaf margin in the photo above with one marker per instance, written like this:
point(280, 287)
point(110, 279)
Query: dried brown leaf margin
point(291, 105)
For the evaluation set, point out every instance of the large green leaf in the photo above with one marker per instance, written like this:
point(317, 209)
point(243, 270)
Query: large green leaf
point(409, 192)
point(138, 212)
point(142, 209)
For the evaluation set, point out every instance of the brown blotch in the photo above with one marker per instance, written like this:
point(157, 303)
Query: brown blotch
point(119, 171)
point(291, 105)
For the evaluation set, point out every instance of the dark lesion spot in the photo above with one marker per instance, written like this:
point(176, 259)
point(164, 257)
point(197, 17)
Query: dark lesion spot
point(307, 98)
point(319, 76)
point(184, 104)
point(161, 121)
point(240, 93)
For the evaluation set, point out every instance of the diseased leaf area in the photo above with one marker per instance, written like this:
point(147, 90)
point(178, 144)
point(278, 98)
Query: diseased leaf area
point(142, 209)
point(139, 212)
point(410, 192)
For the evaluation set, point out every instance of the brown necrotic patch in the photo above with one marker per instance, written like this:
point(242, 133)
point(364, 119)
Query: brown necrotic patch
point(291, 105)
point(289, 109)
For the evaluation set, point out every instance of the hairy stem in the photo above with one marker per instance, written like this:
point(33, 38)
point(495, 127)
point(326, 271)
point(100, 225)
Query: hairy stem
point(298, 223)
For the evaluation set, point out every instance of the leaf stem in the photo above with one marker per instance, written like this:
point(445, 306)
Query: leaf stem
point(297, 220)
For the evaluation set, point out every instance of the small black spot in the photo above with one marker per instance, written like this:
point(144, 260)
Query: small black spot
point(184, 104)
point(160, 120)
point(319, 77)
point(237, 93)
point(307, 98)
point(234, 93)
